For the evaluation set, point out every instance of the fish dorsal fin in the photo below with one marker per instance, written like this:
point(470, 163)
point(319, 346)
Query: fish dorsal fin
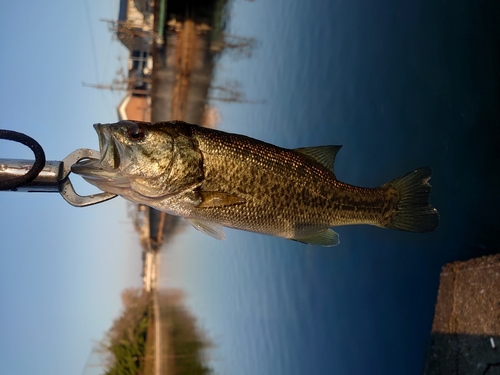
point(325, 155)
point(212, 229)
point(324, 238)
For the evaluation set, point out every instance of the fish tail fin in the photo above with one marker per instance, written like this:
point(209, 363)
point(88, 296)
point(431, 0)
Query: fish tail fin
point(414, 213)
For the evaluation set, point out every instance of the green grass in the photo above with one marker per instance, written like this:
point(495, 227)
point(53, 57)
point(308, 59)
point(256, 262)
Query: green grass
point(130, 342)
point(125, 342)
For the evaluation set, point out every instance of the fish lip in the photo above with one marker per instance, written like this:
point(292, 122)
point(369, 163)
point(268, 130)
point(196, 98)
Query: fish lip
point(89, 168)
point(107, 180)
point(105, 169)
point(109, 149)
point(106, 172)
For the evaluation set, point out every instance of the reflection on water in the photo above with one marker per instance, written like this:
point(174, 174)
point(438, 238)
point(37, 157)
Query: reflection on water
point(397, 87)
point(155, 334)
point(184, 345)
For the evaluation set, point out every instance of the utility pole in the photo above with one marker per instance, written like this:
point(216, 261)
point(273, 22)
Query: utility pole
point(115, 87)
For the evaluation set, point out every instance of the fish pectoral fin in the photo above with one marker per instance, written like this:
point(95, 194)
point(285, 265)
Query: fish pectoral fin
point(325, 155)
point(325, 238)
point(217, 199)
point(212, 229)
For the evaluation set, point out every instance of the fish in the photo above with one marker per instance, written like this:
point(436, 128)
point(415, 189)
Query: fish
point(216, 179)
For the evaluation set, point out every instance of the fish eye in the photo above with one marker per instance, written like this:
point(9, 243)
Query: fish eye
point(136, 133)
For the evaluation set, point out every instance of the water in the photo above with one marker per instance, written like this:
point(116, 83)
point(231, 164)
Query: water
point(400, 85)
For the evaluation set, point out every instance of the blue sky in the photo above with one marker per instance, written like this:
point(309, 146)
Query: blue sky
point(61, 268)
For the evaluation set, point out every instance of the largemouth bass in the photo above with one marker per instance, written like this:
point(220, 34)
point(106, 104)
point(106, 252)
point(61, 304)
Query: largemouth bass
point(216, 179)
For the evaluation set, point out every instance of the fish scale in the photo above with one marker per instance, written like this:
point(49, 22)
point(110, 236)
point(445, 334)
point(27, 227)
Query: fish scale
point(271, 180)
point(217, 179)
point(277, 181)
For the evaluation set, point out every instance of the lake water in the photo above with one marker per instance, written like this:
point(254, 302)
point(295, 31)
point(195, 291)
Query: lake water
point(400, 85)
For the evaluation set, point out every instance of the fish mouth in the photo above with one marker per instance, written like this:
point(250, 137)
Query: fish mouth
point(104, 172)
point(110, 155)
point(91, 170)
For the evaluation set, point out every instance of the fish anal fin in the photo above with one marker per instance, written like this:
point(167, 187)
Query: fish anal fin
point(325, 155)
point(212, 229)
point(217, 199)
point(324, 238)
